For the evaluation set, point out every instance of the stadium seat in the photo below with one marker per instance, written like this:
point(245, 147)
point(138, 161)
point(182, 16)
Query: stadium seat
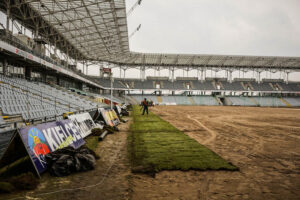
point(33, 100)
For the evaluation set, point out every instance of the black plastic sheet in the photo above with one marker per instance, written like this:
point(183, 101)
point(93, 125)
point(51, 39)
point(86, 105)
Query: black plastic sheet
point(68, 160)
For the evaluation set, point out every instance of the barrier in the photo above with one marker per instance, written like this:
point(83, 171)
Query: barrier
point(39, 140)
point(84, 122)
point(45, 138)
point(109, 116)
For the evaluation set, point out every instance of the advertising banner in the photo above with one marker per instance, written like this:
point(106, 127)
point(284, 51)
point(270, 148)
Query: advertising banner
point(41, 139)
point(84, 122)
point(110, 117)
point(105, 115)
point(114, 117)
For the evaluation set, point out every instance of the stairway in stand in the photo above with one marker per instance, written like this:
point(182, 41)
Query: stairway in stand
point(192, 101)
point(159, 99)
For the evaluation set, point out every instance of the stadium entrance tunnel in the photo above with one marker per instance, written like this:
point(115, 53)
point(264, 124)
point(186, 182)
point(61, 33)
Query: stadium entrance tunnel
point(222, 99)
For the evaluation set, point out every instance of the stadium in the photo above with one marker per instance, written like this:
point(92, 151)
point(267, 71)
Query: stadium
point(208, 136)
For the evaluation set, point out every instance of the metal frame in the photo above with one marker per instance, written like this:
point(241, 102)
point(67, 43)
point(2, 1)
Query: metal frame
point(96, 30)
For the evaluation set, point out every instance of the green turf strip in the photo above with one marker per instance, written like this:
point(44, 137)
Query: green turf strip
point(156, 145)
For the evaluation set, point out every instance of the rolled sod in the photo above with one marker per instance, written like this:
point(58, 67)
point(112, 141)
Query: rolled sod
point(156, 145)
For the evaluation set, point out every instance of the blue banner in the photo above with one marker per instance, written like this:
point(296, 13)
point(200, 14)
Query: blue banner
point(42, 139)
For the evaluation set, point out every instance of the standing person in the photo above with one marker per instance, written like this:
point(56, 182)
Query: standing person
point(145, 104)
point(141, 105)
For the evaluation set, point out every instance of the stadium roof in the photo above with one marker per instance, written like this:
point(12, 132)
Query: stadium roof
point(196, 60)
point(97, 30)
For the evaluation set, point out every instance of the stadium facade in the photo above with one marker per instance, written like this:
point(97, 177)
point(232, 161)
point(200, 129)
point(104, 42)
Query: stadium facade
point(40, 77)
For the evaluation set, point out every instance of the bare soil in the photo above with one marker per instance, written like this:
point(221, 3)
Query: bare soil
point(109, 180)
point(263, 142)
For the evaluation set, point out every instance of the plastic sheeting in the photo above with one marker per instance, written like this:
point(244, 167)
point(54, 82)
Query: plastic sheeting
point(68, 160)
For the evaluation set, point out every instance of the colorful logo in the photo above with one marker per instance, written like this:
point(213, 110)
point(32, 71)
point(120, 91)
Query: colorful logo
point(37, 142)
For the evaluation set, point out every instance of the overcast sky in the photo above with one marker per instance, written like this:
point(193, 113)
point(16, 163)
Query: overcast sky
point(238, 27)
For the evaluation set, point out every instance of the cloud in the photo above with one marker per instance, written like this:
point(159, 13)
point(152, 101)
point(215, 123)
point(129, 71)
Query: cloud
point(266, 27)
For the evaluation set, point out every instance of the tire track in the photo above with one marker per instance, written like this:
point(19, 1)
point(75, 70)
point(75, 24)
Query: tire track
point(212, 133)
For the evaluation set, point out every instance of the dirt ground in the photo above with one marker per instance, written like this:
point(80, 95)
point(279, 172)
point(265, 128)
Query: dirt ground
point(263, 142)
point(109, 180)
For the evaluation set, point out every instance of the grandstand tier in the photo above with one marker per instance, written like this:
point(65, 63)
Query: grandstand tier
point(264, 101)
point(35, 100)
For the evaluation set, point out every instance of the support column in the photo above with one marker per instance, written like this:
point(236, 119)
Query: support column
point(230, 76)
point(158, 69)
point(226, 74)
point(7, 18)
point(287, 77)
point(44, 77)
point(124, 75)
point(28, 71)
point(57, 79)
point(258, 73)
point(143, 72)
point(5, 67)
point(83, 67)
point(87, 69)
point(173, 74)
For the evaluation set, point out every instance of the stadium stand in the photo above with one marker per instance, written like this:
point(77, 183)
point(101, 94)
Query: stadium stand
point(205, 100)
point(264, 86)
point(206, 85)
point(182, 100)
point(168, 100)
point(167, 85)
point(179, 100)
point(269, 101)
point(288, 87)
point(148, 84)
point(2, 122)
point(137, 84)
point(105, 82)
point(114, 98)
point(179, 85)
point(234, 86)
point(293, 101)
point(33, 100)
point(212, 101)
point(241, 101)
